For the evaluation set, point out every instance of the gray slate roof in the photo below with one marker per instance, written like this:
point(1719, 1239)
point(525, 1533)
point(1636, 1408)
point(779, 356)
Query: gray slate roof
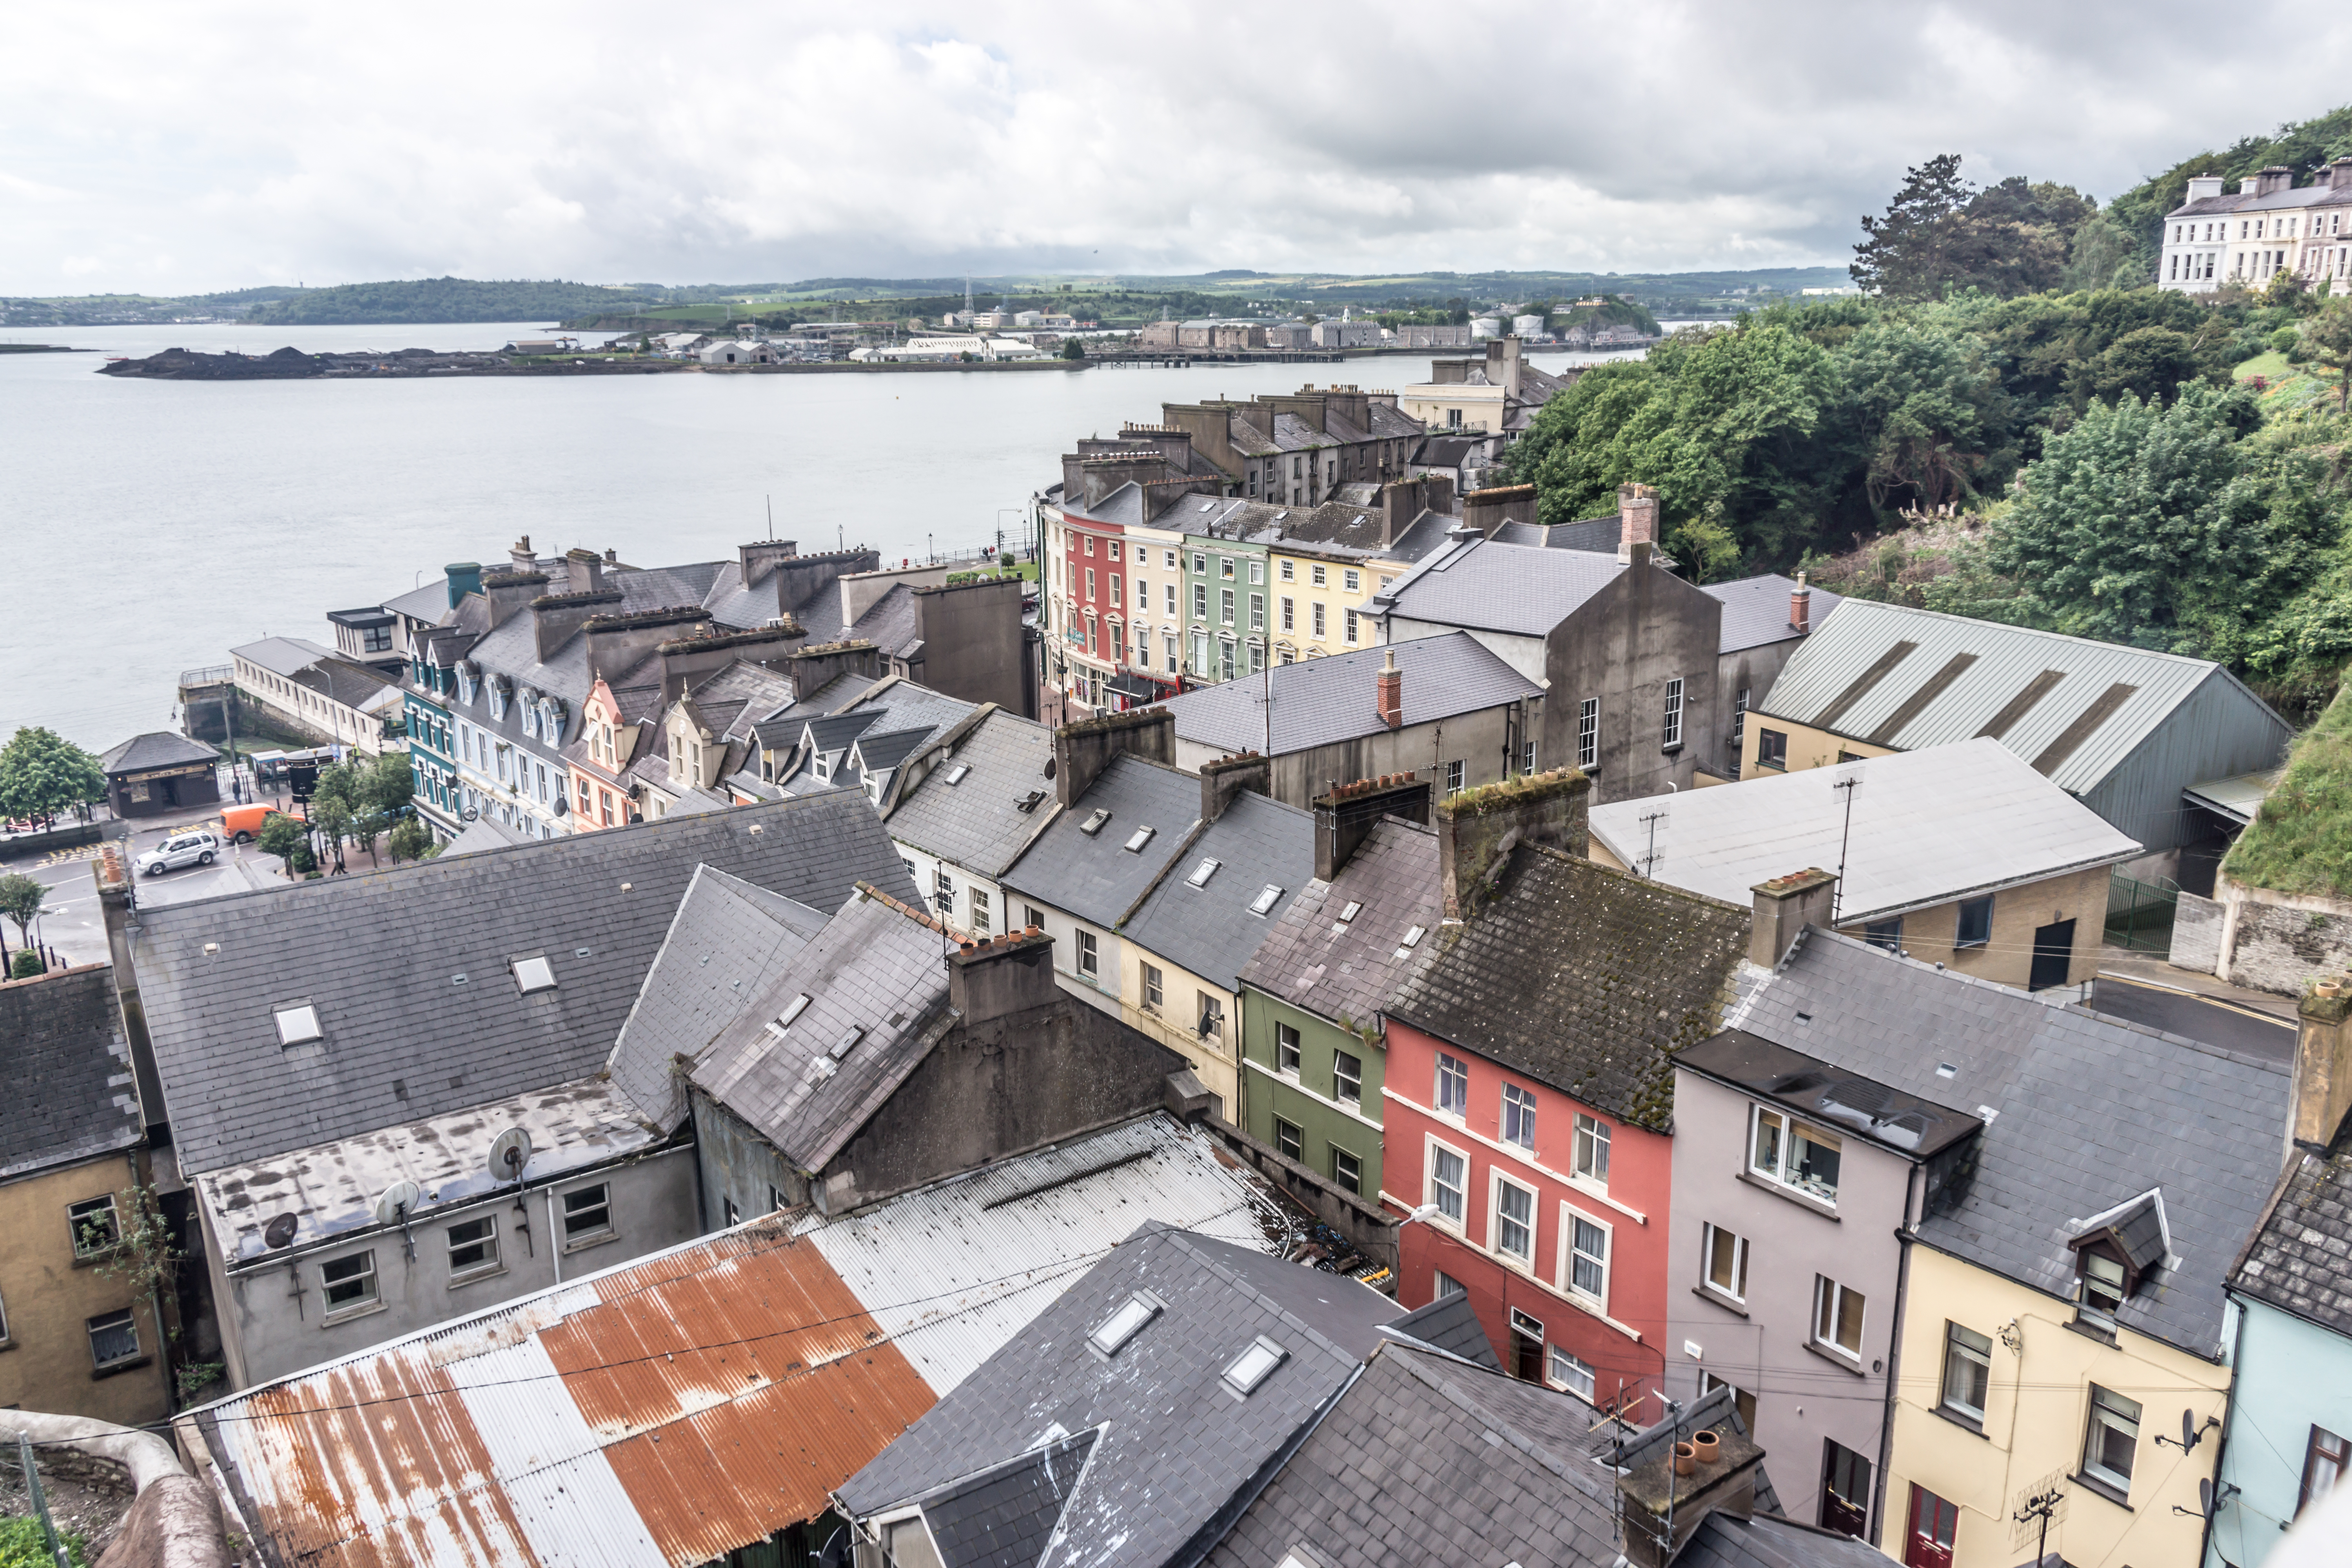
point(67, 1067)
point(877, 970)
point(2300, 1258)
point(1318, 701)
point(1583, 978)
point(155, 749)
point(727, 936)
point(1349, 969)
point(287, 656)
point(1451, 1323)
point(378, 954)
point(2093, 1112)
point(1174, 1446)
point(1259, 843)
point(975, 822)
point(1756, 610)
point(1094, 877)
point(1503, 587)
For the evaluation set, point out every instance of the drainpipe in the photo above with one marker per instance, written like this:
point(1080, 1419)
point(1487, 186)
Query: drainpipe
point(2205, 1553)
point(555, 1239)
point(1895, 1353)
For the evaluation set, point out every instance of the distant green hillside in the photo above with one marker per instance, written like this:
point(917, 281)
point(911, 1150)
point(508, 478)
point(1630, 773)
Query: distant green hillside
point(447, 300)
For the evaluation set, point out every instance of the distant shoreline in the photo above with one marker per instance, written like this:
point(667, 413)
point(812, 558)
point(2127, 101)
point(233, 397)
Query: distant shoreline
point(420, 364)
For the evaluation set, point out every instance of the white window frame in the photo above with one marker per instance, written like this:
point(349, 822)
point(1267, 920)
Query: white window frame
point(372, 1301)
point(1517, 1106)
point(1285, 1050)
point(1571, 1216)
point(2096, 1417)
point(1708, 1233)
point(1829, 1301)
point(492, 1264)
point(1089, 960)
point(1671, 735)
point(1790, 1126)
point(1438, 1077)
point(1575, 1377)
point(1957, 1352)
point(1588, 734)
point(1458, 1223)
point(1339, 1081)
point(1588, 1160)
point(123, 1318)
point(572, 1239)
point(1155, 989)
point(1496, 1183)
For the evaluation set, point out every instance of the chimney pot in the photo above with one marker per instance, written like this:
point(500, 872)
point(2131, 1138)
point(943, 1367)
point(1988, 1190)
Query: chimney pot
point(1637, 523)
point(1387, 693)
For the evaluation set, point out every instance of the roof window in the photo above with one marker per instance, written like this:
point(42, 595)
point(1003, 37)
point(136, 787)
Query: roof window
point(1138, 838)
point(534, 974)
point(955, 773)
point(1095, 824)
point(841, 1047)
point(1203, 871)
point(785, 1019)
point(1350, 912)
point(298, 1024)
point(1254, 1366)
point(1266, 901)
point(1123, 1325)
point(1411, 939)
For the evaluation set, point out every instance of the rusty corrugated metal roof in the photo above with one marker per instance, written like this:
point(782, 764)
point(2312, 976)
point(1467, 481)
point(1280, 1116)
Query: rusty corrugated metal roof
point(687, 1403)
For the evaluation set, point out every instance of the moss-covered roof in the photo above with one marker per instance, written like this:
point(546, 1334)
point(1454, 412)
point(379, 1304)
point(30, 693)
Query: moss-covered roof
point(2301, 841)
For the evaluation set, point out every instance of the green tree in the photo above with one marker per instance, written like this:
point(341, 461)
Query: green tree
point(411, 839)
point(1909, 252)
point(20, 899)
point(2327, 337)
point(24, 963)
point(332, 819)
point(386, 785)
point(1072, 349)
point(42, 774)
point(283, 837)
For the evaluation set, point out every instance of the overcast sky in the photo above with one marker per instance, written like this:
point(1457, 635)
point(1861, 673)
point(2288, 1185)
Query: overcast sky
point(174, 148)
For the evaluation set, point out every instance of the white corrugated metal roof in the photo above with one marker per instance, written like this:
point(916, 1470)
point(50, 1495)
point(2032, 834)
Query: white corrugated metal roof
point(673, 1408)
point(2238, 798)
point(2003, 663)
point(1928, 827)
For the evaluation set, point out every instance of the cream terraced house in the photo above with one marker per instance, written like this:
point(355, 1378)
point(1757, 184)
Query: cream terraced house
point(2269, 225)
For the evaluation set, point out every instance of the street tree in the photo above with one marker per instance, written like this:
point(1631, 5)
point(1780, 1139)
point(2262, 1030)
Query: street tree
point(42, 774)
point(411, 839)
point(332, 819)
point(283, 836)
point(20, 901)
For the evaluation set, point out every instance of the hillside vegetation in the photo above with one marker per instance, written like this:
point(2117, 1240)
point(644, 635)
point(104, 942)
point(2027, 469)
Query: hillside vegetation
point(445, 300)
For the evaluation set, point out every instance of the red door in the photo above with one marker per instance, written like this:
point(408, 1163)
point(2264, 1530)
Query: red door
point(1927, 1543)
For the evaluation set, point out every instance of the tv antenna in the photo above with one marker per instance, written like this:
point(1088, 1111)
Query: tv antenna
point(1847, 783)
point(399, 1201)
point(1652, 857)
point(510, 1155)
point(2037, 1507)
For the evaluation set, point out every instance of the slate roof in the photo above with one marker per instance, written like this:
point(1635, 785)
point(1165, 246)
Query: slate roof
point(378, 954)
point(725, 939)
point(974, 821)
point(155, 749)
point(1910, 678)
point(1583, 978)
point(864, 710)
point(1174, 1446)
point(2091, 1113)
point(1502, 587)
point(2299, 1258)
point(1336, 969)
point(1756, 610)
point(1451, 1323)
point(1912, 1126)
point(1923, 828)
point(1259, 843)
point(67, 1063)
point(877, 971)
point(1317, 701)
point(1094, 877)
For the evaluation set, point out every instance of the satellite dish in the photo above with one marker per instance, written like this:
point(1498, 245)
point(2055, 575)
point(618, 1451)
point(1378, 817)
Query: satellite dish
point(2205, 1496)
point(399, 1201)
point(470, 814)
point(2188, 1434)
point(510, 1155)
point(280, 1233)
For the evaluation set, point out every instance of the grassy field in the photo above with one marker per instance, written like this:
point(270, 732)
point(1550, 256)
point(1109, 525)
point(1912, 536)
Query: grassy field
point(2272, 366)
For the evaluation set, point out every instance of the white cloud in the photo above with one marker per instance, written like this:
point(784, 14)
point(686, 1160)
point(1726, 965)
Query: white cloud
point(164, 148)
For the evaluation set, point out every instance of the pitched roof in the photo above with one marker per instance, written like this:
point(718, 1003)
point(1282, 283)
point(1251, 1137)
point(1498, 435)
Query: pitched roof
point(973, 817)
point(1319, 700)
point(688, 1404)
point(1174, 1446)
point(1451, 1323)
point(156, 749)
point(67, 1067)
point(404, 1037)
point(1756, 610)
point(1348, 969)
point(2299, 1258)
point(1922, 828)
point(1095, 876)
point(1212, 927)
point(1502, 587)
point(283, 655)
point(1910, 678)
point(875, 981)
point(2091, 1112)
point(1583, 978)
point(725, 939)
point(1825, 1092)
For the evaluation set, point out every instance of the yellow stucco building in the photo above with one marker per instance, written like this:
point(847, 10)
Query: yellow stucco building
point(1321, 601)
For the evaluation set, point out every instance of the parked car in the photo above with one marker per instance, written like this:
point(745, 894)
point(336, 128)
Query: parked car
point(180, 849)
point(242, 824)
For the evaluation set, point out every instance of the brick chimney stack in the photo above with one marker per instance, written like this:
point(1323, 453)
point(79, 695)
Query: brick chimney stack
point(1784, 907)
point(1387, 693)
point(1637, 525)
point(1800, 606)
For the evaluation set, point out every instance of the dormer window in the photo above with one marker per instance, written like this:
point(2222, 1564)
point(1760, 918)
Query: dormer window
point(2113, 1255)
point(2103, 1281)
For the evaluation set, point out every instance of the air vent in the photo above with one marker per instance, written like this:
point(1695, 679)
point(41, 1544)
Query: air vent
point(1203, 871)
point(955, 773)
point(785, 1019)
point(1138, 838)
point(1350, 912)
point(842, 1047)
point(1095, 824)
point(1266, 901)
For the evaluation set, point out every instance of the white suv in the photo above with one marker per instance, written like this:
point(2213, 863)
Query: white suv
point(180, 849)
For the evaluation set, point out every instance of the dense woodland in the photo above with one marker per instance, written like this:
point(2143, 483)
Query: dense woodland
point(2011, 425)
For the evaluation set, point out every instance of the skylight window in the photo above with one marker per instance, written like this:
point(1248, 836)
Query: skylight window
point(1123, 1325)
point(785, 1019)
point(955, 773)
point(1138, 838)
point(1203, 871)
point(841, 1047)
point(1350, 912)
point(534, 974)
point(1412, 938)
point(1095, 824)
point(1254, 1366)
point(298, 1025)
point(1266, 900)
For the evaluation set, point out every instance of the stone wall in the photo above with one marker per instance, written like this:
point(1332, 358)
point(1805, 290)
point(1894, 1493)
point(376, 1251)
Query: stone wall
point(2275, 942)
point(2196, 934)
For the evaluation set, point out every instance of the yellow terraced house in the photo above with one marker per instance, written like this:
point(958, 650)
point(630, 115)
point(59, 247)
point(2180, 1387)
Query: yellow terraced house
point(1322, 600)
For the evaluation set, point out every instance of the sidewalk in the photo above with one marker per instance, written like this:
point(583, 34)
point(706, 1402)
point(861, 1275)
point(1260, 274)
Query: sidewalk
point(2147, 970)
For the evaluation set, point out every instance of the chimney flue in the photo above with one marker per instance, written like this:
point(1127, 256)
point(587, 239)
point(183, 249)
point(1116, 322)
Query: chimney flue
point(1637, 523)
point(1800, 606)
point(1387, 693)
